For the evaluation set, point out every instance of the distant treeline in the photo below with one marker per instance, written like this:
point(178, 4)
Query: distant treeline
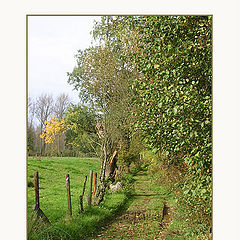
point(41, 110)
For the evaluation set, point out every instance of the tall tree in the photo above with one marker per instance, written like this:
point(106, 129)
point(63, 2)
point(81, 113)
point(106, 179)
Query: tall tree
point(61, 105)
point(31, 111)
point(30, 126)
point(44, 108)
point(103, 80)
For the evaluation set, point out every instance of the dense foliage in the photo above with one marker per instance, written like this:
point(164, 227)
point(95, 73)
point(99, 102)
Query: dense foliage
point(175, 97)
point(172, 56)
point(54, 127)
point(81, 134)
point(103, 81)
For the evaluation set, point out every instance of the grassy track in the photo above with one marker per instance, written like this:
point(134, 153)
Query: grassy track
point(53, 199)
point(144, 218)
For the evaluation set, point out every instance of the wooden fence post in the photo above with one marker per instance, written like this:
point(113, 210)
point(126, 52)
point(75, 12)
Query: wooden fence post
point(36, 185)
point(95, 183)
point(90, 189)
point(68, 195)
point(81, 196)
point(36, 207)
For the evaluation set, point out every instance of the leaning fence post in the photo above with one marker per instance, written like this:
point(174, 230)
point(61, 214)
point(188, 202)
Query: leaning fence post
point(95, 183)
point(81, 196)
point(36, 185)
point(36, 207)
point(90, 189)
point(68, 195)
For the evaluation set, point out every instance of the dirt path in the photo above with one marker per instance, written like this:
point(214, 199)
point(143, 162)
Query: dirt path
point(144, 217)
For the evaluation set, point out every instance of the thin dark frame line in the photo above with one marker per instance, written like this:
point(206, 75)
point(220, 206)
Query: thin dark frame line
point(26, 125)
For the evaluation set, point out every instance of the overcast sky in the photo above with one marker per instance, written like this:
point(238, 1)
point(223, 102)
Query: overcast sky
point(52, 43)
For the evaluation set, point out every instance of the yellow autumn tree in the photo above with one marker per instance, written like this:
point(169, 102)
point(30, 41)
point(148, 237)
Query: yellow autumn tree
point(54, 127)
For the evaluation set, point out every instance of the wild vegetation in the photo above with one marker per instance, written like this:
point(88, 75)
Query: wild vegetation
point(145, 93)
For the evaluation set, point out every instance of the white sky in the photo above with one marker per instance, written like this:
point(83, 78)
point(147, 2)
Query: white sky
point(52, 43)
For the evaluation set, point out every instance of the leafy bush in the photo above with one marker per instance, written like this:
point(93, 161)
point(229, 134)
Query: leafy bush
point(174, 55)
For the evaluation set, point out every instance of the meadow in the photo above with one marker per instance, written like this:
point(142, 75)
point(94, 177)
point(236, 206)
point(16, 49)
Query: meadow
point(53, 199)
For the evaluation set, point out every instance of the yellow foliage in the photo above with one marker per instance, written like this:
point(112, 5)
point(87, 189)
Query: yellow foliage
point(53, 128)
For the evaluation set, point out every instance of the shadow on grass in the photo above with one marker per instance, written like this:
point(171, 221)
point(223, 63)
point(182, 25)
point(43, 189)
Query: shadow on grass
point(109, 220)
point(81, 226)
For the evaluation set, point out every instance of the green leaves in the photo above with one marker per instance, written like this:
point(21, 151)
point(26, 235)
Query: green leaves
point(81, 134)
point(166, 62)
point(175, 57)
point(175, 109)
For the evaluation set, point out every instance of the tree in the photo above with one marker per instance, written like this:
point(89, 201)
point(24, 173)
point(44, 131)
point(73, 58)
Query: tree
point(81, 133)
point(31, 111)
point(30, 127)
point(53, 127)
point(44, 107)
point(61, 105)
point(103, 80)
point(79, 124)
point(59, 110)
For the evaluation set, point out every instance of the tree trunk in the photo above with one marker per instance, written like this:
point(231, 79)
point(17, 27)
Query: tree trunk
point(107, 172)
point(44, 146)
point(112, 166)
point(104, 161)
point(98, 197)
point(41, 141)
point(40, 146)
point(58, 145)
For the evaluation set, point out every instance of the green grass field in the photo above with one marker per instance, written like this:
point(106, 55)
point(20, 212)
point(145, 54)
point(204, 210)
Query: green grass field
point(53, 198)
point(52, 184)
